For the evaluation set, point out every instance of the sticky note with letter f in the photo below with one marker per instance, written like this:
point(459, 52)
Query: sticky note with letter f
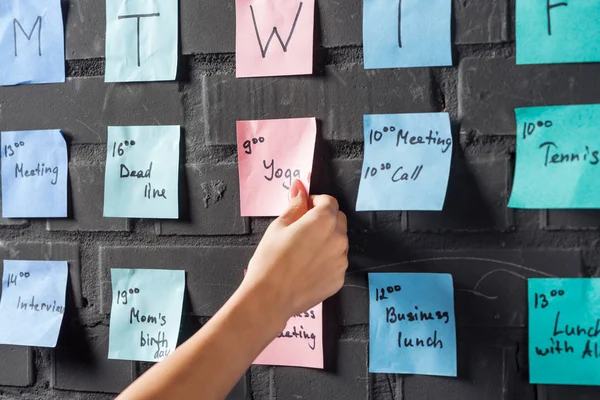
point(274, 37)
point(146, 313)
point(564, 331)
point(271, 155)
point(412, 328)
point(33, 302)
point(34, 174)
point(141, 40)
point(407, 162)
point(406, 33)
point(32, 42)
point(557, 31)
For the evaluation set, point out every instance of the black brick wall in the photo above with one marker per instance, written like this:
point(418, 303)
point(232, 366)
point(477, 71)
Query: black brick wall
point(488, 248)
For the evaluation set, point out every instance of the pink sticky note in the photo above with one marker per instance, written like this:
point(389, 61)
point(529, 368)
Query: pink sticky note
point(274, 37)
point(300, 344)
point(271, 154)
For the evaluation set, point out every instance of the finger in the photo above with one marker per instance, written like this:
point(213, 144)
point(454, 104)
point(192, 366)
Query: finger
point(327, 202)
point(298, 204)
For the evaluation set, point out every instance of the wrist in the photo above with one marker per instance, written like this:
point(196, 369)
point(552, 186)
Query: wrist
point(265, 303)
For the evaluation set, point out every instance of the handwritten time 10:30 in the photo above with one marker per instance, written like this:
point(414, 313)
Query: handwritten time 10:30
point(273, 171)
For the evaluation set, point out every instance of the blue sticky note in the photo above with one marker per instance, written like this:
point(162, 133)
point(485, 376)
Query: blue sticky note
point(32, 42)
point(558, 31)
point(564, 331)
point(142, 172)
point(558, 157)
point(33, 302)
point(146, 313)
point(406, 33)
point(34, 174)
point(406, 163)
point(411, 324)
point(141, 40)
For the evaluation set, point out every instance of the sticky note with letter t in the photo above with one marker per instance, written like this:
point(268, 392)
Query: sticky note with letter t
point(406, 33)
point(271, 155)
point(32, 44)
point(34, 174)
point(564, 331)
point(274, 37)
point(141, 40)
point(557, 31)
point(146, 313)
point(33, 302)
point(412, 328)
point(407, 162)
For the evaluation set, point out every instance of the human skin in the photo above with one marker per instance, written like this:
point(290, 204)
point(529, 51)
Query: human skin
point(300, 261)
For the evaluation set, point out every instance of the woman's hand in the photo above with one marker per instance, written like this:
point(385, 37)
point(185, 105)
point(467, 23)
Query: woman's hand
point(303, 256)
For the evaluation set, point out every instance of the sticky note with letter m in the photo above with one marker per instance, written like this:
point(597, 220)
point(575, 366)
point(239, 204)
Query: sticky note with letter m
point(274, 37)
point(141, 40)
point(32, 48)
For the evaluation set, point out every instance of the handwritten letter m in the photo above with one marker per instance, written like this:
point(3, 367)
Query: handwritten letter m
point(32, 42)
point(260, 23)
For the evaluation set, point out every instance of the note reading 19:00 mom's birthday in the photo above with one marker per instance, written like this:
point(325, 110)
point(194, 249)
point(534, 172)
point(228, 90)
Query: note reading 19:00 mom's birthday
point(564, 331)
point(558, 157)
point(407, 162)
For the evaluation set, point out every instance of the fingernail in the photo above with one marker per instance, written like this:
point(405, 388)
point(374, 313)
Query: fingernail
point(294, 190)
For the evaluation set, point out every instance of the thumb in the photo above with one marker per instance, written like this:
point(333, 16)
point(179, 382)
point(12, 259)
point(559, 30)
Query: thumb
point(298, 204)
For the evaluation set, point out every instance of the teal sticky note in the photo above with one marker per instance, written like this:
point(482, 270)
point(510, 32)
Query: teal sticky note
point(558, 152)
point(142, 172)
point(564, 331)
point(145, 314)
point(412, 327)
point(33, 302)
point(557, 31)
point(406, 163)
point(32, 42)
point(141, 40)
point(34, 174)
point(406, 33)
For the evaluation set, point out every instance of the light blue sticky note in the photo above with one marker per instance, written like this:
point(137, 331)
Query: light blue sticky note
point(146, 313)
point(141, 40)
point(564, 331)
point(142, 172)
point(406, 163)
point(33, 302)
point(406, 33)
point(32, 44)
point(411, 324)
point(558, 156)
point(558, 31)
point(34, 174)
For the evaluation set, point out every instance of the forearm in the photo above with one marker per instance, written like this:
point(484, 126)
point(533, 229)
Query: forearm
point(209, 364)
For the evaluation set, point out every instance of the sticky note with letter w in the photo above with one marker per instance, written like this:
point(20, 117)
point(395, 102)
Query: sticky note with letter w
point(274, 37)
point(271, 155)
point(141, 40)
point(32, 44)
point(406, 33)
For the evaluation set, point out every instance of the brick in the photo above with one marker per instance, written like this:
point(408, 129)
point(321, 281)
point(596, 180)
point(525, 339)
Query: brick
point(480, 373)
point(490, 89)
point(85, 29)
point(212, 273)
point(476, 200)
point(87, 203)
point(212, 204)
point(84, 107)
point(207, 26)
point(80, 362)
point(490, 285)
point(240, 390)
point(338, 102)
point(349, 381)
point(16, 366)
point(571, 219)
point(51, 252)
point(480, 22)
point(568, 392)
